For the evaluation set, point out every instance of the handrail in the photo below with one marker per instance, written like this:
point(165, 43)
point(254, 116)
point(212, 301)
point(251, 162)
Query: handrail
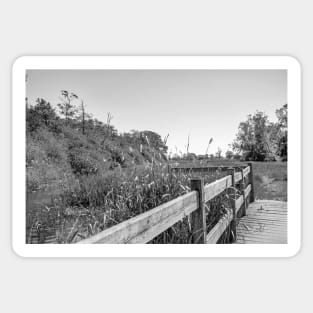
point(217, 231)
point(146, 226)
point(214, 189)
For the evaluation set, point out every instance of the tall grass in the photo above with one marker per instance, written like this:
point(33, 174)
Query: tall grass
point(93, 203)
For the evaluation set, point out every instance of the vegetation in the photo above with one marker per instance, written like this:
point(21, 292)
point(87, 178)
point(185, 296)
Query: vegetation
point(63, 146)
point(258, 139)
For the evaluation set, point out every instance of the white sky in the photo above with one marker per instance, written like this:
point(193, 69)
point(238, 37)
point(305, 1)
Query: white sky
point(202, 103)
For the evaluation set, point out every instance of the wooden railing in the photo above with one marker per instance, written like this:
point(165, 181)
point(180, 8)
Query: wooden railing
point(146, 226)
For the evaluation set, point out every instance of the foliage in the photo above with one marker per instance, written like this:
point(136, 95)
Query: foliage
point(283, 133)
point(71, 142)
point(229, 154)
point(258, 139)
point(282, 116)
point(41, 115)
point(67, 108)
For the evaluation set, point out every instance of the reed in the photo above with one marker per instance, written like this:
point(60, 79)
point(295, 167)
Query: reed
point(95, 202)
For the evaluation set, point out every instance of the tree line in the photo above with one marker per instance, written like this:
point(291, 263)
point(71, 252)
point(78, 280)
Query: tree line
point(259, 139)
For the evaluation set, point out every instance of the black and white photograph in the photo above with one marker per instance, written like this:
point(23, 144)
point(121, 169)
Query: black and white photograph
point(156, 156)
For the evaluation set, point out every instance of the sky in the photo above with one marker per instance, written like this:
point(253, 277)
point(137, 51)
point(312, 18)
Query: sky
point(201, 104)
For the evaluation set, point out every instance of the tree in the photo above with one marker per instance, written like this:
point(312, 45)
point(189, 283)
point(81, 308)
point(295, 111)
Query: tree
point(259, 139)
point(250, 139)
point(282, 116)
point(41, 114)
point(229, 154)
point(153, 140)
point(83, 115)
point(283, 132)
point(190, 156)
point(67, 106)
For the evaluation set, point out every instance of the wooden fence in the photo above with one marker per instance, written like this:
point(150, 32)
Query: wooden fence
point(146, 226)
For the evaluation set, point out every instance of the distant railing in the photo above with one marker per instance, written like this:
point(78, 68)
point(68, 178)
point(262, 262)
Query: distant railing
point(146, 226)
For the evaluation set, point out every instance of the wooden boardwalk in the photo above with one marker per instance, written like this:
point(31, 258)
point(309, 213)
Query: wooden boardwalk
point(265, 223)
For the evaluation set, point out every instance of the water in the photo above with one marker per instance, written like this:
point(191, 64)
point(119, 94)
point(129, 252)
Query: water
point(39, 212)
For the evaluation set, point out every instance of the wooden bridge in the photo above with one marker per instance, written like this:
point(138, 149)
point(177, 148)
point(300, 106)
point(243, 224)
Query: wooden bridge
point(265, 222)
point(246, 221)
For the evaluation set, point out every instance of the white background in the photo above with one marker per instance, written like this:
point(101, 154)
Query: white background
point(155, 28)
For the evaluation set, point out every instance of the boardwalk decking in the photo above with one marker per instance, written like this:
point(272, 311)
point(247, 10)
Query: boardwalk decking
point(265, 223)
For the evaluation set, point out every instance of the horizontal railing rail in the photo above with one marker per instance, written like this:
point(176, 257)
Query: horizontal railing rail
point(146, 226)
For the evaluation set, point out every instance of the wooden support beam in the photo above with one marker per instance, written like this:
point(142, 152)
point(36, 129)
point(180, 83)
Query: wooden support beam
point(198, 217)
point(251, 182)
point(246, 171)
point(242, 192)
point(232, 195)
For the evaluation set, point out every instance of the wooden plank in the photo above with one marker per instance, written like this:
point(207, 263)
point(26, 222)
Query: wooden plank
point(214, 189)
point(198, 168)
point(197, 218)
point(246, 171)
point(149, 234)
point(259, 228)
point(268, 215)
point(247, 191)
point(218, 230)
point(232, 196)
point(238, 177)
point(242, 192)
point(275, 207)
point(264, 226)
point(262, 221)
point(238, 203)
point(259, 241)
point(251, 181)
point(264, 233)
point(146, 226)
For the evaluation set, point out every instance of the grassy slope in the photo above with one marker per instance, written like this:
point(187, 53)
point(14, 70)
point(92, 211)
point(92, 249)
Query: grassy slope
point(58, 159)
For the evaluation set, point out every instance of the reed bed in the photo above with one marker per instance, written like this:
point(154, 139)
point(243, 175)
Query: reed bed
point(93, 203)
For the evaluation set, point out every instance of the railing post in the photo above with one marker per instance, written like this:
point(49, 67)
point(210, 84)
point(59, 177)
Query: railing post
point(242, 191)
point(251, 182)
point(232, 195)
point(198, 222)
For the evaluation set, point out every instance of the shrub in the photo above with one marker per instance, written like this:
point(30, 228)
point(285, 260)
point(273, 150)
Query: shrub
point(81, 163)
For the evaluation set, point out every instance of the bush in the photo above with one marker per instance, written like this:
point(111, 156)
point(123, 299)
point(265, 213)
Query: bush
point(81, 163)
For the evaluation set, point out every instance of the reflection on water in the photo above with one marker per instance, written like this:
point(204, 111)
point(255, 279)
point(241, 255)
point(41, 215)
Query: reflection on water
point(40, 214)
